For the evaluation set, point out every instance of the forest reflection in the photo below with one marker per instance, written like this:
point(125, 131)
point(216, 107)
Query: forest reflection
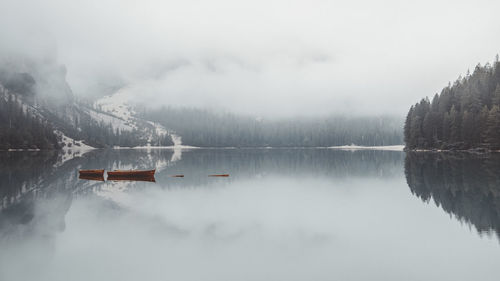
point(280, 209)
point(464, 185)
point(28, 179)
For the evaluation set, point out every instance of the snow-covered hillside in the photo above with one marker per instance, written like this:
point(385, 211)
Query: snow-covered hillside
point(41, 101)
point(117, 111)
point(71, 148)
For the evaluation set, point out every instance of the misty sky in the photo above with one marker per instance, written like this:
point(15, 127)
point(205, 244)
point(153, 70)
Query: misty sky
point(270, 58)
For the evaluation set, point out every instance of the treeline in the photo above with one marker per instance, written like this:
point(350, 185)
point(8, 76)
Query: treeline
point(19, 129)
point(465, 115)
point(81, 126)
point(28, 121)
point(102, 134)
point(212, 129)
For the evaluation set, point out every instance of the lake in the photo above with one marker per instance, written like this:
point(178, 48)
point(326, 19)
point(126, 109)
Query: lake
point(282, 214)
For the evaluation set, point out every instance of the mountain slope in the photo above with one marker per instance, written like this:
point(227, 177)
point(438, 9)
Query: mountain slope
point(21, 127)
point(39, 111)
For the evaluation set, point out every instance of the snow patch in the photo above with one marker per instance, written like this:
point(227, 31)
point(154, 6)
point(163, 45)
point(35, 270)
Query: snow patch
point(72, 144)
point(115, 122)
point(117, 112)
point(71, 148)
point(174, 147)
point(177, 140)
point(116, 105)
point(354, 147)
point(161, 130)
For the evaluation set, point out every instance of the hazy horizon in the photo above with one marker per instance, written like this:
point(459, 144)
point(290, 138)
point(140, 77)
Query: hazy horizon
point(270, 59)
point(249, 140)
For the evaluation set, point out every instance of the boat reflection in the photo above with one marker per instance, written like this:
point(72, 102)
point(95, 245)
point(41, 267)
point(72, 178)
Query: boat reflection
point(91, 177)
point(150, 178)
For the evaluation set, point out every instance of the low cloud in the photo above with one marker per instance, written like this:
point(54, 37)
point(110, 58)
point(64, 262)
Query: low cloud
point(269, 58)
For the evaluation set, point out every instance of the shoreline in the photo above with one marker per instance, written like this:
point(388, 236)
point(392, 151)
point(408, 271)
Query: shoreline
point(399, 148)
point(188, 147)
point(471, 150)
point(361, 147)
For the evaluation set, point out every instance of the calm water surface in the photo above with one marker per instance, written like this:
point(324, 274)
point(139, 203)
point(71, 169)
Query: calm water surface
point(283, 214)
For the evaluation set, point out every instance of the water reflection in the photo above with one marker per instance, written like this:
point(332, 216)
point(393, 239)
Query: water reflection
point(91, 177)
point(37, 188)
point(21, 173)
point(464, 185)
point(282, 214)
point(28, 177)
point(131, 179)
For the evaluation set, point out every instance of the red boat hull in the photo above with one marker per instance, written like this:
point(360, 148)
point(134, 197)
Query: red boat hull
point(91, 172)
point(91, 177)
point(132, 178)
point(131, 173)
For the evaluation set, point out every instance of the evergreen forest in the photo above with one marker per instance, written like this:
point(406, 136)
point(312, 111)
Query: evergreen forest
point(465, 115)
point(206, 128)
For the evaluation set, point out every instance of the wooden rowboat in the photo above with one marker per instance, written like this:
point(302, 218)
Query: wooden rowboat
point(91, 172)
point(131, 173)
point(91, 177)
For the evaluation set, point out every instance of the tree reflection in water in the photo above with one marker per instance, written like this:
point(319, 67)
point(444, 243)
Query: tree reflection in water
point(464, 185)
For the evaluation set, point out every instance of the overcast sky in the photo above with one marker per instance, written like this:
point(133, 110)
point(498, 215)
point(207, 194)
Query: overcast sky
point(269, 58)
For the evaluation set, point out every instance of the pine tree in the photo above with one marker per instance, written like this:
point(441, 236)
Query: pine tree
point(481, 121)
point(407, 128)
point(454, 125)
point(428, 130)
point(446, 128)
point(496, 96)
point(468, 128)
point(416, 138)
point(493, 128)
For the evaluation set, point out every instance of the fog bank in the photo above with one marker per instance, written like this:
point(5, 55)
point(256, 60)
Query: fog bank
point(276, 58)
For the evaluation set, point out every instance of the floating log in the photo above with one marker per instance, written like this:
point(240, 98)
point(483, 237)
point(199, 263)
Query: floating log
point(177, 176)
point(219, 175)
